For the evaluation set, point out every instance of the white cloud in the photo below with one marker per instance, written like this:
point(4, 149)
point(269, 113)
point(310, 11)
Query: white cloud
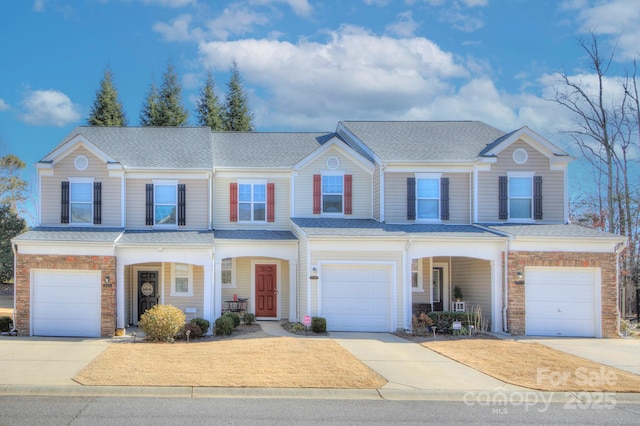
point(235, 20)
point(170, 3)
point(619, 18)
point(300, 7)
point(353, 73)
point(4, 106)
point(38, 5)
point(460, 20)
point(404, 26)
point(178, 30)
point(48, 107)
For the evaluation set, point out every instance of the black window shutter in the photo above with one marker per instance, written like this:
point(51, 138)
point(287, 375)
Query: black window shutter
point(64, 202)
point(182, 204)
point(411, 198)
point(537, 197)
point(149, 209)
point(503, 197)
point(97, 203)
point(444, 198)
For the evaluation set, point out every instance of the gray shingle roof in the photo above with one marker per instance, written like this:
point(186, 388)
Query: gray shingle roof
point(250, 234)
point(424, 140)
point(254, 149)
point(321, 227)
point(77, 234)
point(174, 237)
point(152, 147)
point(551, 231)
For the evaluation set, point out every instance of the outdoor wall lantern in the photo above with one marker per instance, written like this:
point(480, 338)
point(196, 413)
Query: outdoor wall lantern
point(520, 278)
point(107, 281)
point(314, 273)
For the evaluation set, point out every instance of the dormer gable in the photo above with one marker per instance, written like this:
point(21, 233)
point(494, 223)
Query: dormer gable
point(558, 159)
point(340, 148)
point(73, 145)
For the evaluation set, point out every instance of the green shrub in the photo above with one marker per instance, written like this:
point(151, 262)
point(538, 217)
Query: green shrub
point(161, 323)
point(195, 332)
point(202, 323)
point(224, 325)
point(5, 324)
point(298, 327)
point(249, 318)
point(235, 317)
point(318, 324)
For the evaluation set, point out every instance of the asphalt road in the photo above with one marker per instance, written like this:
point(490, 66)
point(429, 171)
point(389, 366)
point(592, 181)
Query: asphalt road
point(40, 410)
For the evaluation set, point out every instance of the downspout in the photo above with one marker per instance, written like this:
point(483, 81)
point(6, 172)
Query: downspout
point(618, 252)
point(14, 249)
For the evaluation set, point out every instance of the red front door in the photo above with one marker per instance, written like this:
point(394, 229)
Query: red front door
point(266, 291)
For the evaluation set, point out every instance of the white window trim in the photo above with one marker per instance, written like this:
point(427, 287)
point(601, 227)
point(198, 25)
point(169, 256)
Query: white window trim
point(528, 175)
point(420, 287)
point(233, 274)
point(324, 173)
point(432, 176)
point(253, 182)
point(72, 180)
point(189, 292)
point(164, 182)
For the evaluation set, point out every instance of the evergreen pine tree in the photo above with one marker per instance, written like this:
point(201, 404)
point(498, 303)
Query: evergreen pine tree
point(11, 225)
point(149, 115)
point(163, 107)
point(208, 106)
point(237, 115)
point(107, 109)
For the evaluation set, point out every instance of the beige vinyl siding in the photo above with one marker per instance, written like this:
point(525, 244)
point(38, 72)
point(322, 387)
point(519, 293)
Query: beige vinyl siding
point(473, 276)
point(197, 203)
point(128, 295)
point(361, 185)
point(184, 302)
point(355, 256)
point(395, 197)
point(552, 184)
point(50, 189)
point(243, 273)
point(282, 189)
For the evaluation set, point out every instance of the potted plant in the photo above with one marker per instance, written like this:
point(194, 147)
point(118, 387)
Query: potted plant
point(457, 293)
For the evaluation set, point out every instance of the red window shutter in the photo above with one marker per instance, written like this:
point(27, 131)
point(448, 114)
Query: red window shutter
point(270, 202)
point(347, 194)
point(233, 202)
point(317, 193)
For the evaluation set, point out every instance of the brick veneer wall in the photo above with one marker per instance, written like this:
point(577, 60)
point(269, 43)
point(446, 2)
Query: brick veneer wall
point(24, 264)
point(605, 261)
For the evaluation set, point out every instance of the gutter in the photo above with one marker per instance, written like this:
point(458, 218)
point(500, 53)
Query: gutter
point(618, 251)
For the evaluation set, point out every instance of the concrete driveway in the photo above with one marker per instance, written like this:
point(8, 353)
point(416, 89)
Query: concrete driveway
point(623, 354)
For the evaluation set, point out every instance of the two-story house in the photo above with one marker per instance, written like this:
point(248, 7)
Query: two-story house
point(363, 226)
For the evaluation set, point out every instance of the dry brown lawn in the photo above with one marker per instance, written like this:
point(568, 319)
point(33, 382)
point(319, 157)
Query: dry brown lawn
point(536, 366)
point(275, 362)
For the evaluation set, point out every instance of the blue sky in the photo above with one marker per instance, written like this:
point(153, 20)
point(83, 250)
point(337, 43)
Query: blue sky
point(306, 64)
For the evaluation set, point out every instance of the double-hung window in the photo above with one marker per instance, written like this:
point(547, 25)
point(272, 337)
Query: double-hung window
point(81, 201)
point(416, 275)
point(428, 196)
point(520, 196)
point(252, 202)
point(226, 269)
point(165, 203)
point(332, 193)
point(182, 280)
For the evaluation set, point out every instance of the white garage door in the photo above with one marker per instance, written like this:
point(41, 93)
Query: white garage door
point(356, 297)
point(561, 301)
point(66, 303)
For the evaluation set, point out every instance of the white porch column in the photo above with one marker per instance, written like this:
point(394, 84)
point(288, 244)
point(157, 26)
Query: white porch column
point(208, 293)
point(406, 288)
point(120, 323)
point(496, 295)
point(293, 290)
point(217, 289)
